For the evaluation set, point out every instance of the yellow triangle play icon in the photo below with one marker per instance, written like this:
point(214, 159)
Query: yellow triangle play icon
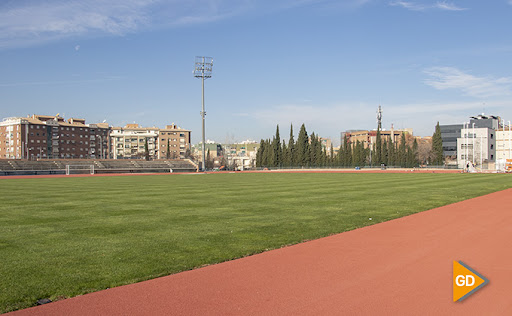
point(466, 281)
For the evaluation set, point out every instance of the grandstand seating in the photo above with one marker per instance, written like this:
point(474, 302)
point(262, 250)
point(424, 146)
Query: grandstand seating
point(19, 166)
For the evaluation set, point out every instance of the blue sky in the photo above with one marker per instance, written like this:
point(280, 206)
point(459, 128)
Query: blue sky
point(326, 63)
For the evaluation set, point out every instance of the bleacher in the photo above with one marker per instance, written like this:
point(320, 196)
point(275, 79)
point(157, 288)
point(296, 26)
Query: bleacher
point(31, 167)
point(5, 165)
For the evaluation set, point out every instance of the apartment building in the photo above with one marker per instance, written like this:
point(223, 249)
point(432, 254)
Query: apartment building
point(451, 132)
point(130, 142)
point(477, 146)
point(52, 137)
point(176, 139)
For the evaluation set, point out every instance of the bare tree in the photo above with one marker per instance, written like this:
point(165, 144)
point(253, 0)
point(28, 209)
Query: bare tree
point(425, 151)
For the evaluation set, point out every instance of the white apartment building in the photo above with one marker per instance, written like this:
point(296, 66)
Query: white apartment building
point(171, 142)
point(476, 145)
point(130, 141)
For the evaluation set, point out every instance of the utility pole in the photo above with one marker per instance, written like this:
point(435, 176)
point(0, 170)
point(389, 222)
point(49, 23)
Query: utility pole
point(203, 69)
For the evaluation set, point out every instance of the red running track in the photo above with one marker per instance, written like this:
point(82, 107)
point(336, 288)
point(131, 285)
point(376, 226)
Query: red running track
point(402, 267)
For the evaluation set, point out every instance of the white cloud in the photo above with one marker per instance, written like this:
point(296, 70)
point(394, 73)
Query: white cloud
point(444, 78)
point(31, 22)
point(448, 6)
point(421, 6)
point(409, 5)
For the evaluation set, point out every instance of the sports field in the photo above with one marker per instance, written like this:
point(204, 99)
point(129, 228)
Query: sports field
point(61, 237)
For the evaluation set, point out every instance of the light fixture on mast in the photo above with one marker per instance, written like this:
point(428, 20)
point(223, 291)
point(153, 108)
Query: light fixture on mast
point(203, 69)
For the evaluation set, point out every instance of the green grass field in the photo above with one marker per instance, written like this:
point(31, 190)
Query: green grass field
point(64, 237)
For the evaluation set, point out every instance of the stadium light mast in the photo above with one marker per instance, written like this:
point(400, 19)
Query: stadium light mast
point(203, 69)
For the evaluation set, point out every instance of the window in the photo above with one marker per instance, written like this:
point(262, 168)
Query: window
point(492, 136)
point(492, 146)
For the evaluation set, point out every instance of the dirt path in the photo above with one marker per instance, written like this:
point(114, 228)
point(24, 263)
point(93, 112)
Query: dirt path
point(399, 267)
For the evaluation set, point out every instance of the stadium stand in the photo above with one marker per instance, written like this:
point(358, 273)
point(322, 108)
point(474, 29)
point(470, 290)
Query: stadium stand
point(31, 167)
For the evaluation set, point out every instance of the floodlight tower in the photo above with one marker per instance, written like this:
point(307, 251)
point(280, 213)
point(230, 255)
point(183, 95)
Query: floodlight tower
point(203, 69)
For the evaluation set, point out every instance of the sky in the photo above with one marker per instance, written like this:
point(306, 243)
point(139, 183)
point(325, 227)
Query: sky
point(328, 64)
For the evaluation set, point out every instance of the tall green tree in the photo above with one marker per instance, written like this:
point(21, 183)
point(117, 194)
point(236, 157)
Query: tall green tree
point(384, 153)
point(391, 153)
point(285, 155)
point(259, 154)
point(347, 153)
point(291, 148)
point(146, 149)
point(378, 148)
point(302, 148)
point(402, 152)
point(276, 152)
point(437, 146)
point(208, 163)
point(331, 156)
point(168, 154)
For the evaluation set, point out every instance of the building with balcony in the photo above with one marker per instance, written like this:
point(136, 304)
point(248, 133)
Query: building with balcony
point(171, 142)
point(52, 137)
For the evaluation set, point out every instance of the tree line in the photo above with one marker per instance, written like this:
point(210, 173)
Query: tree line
point(308, 151)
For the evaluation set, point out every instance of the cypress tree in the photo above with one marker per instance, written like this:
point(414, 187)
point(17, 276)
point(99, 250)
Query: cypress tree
point(276, 146)
point(348, 154)
point(415, 153)
point(331, 156)
point(291, 148)
point(146, 149)
point(402, 152)
point(378, 148)
point(207, 163)
point(168, 155)
point(285, 161)
point(384, 153)
point(391, 153)
point(302, 148)
point(259, 154)
point(269, 154)
point(437, 146)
